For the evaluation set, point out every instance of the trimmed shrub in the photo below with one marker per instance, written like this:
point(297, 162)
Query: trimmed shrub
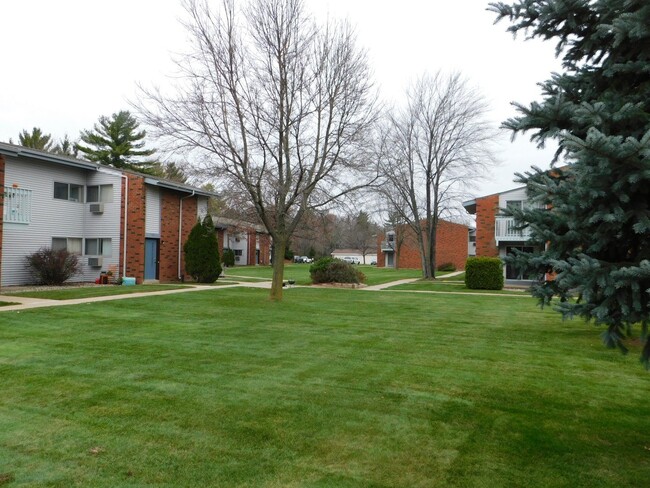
point(202, 252)
point(228, 258)
point(483, 273)
point(447, 267)
point(330, 270)
point(51, 267)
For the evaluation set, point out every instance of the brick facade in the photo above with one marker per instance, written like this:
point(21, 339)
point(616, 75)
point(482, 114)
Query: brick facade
point(168, 250)
point(265, 249)
point(451, 247)
point(486, 212)
point(135, 233)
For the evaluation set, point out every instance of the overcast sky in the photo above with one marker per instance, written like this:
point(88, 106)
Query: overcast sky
point(67, 62)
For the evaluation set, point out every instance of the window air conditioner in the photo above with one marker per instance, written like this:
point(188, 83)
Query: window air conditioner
point(96, 208)
point(95, 262)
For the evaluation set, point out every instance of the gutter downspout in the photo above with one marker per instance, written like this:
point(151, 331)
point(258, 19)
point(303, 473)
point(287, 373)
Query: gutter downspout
point(180, 229)
point(126, 214)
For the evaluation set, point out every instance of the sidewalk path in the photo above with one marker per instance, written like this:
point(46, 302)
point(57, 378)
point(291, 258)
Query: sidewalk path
point(25, 303)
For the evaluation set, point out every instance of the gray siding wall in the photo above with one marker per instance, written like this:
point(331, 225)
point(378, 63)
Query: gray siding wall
point(51, 217)
point(516, 194)
point(202, 207)
point(152, 214)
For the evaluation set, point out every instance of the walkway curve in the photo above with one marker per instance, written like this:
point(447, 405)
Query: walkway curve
point(26, 303)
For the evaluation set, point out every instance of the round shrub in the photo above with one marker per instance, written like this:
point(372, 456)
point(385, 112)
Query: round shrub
point(483, 273)
point(51, 267)
point(330, 270)
point(447, 267)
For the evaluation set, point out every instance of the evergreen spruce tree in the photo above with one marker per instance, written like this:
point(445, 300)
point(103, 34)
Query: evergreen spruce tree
point(116, 141)
point(594, 229)
point(202, 252)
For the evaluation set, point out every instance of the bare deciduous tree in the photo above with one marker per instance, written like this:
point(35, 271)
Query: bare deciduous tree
point(278, 105)
point(433, 149)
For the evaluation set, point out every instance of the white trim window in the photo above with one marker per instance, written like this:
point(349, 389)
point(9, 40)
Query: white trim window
point(99, 194)
point(68, 191)
point(99, 247)
point(70, 244)
point(17, 207)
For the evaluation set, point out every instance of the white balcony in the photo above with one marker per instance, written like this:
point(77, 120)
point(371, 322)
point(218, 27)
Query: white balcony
point(505, 230)
point(17, 205)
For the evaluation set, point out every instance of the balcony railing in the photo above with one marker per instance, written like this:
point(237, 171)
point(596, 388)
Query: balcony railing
point(17, 205)
point(387, 246)
point(505, 230)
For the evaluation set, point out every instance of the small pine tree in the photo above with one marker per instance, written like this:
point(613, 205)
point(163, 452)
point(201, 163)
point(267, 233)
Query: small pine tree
point(202, 252)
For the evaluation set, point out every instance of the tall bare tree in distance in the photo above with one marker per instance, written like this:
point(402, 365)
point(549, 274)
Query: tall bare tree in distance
point(432, 150)
point(278, 105)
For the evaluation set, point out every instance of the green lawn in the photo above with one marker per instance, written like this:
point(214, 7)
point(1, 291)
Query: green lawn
point(300, 273)
point(329, 388)
point(451, 286)
point(74, 292)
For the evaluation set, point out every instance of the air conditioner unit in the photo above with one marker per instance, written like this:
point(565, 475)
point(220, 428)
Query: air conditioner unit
point(237, 258)
point(96, 208)
point(95, 262)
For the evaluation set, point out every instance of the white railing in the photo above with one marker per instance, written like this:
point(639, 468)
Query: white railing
point(17, 205)
point(504, 230)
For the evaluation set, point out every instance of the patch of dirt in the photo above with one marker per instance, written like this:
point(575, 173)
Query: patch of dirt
point(6, 478)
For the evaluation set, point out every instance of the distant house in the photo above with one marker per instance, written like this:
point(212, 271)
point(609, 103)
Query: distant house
point(129, 223)
point(399, 247)
point(369, 258)
point(250, 242)
point(496, 235)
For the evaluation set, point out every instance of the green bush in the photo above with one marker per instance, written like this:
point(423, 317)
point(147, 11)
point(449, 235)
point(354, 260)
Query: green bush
point(228, 258)
point(51, 267)
point(202, 252)
point(447, 267)
point(484, 273)
point(330, 270)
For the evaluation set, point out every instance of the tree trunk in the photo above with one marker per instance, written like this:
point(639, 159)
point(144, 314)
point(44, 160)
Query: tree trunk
point(279, 247)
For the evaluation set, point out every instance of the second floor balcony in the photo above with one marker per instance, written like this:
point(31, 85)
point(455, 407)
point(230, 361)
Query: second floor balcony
point(505, 230)
point(388, 246)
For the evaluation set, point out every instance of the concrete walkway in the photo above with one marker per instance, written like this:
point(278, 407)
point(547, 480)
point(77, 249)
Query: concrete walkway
point(25, 303)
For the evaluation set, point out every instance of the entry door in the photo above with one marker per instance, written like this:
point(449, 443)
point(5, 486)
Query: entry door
point(390, 260)
point(151, 259)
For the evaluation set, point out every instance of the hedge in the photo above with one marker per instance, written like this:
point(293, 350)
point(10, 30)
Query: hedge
point(483, 273)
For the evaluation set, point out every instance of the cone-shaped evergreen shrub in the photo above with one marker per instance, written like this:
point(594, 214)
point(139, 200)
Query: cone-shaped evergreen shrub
point(202, 252)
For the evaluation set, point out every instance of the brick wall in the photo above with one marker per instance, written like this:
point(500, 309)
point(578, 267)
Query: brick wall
point(251, 246)
point(451, 246)
point(169, 246)
point(135, 227)
point(486, 211)
point(265, 248)
point(168, 253)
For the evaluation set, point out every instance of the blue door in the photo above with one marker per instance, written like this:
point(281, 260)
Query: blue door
point(151, 259)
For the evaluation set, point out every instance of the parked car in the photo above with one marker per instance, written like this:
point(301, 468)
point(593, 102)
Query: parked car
point(302, 259)
point(351, 260)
